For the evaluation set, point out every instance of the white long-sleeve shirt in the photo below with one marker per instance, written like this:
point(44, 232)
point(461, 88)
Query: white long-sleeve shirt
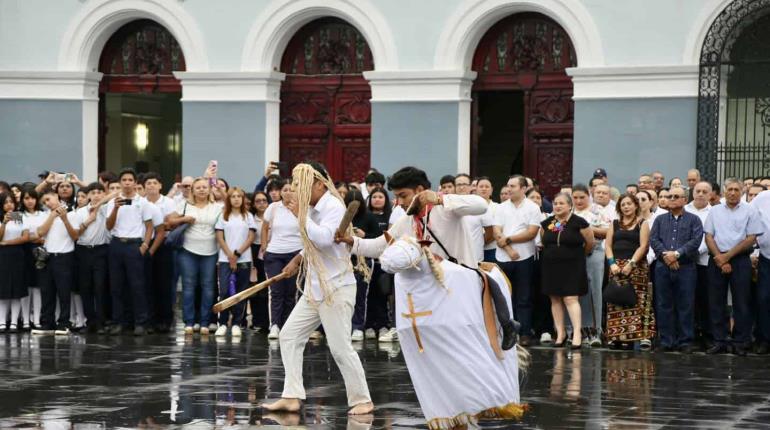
point(323, 220)
point(445, 221)
point(703, 251)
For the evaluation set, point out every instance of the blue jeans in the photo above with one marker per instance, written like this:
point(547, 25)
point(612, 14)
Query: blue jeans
point(198, 273)
point(675, 297)
point(740, 287)
point(763, 299)
point(520, 275)
point(242, 273)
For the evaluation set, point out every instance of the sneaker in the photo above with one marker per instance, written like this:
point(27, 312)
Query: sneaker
point(546, 339)
point(189, 330)
point(382, 332)
point(595, 341)
point(274, 332)
point(370, 333)
point(212, 327)
point(204, 331)
point(116, 330)
point(62, 330)
point(12, 328)
point(197, 328)
point(357, 336)
point(235, 331)
point(645, 344)
point(315, 335)
point(390, 336)
point(43, 331)
point(221, 331)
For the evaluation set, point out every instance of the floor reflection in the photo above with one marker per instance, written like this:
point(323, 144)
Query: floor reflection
point(170, 381)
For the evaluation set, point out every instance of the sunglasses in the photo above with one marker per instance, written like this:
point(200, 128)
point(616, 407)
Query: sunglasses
point(673, 197)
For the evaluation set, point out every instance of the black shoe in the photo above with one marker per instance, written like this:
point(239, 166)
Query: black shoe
point(667, 348)
point(92, 328)
point(740, 351)
point(116, 330)
point(150, 330)
point(525, 341)
point(763, 348)
point(575, 347)
point(510, 330)
point(139, 331)
point(686, 349)
point(101, 329)
point(717, 349)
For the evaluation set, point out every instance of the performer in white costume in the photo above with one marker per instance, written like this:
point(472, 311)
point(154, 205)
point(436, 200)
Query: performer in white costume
point(436, 221)
point(459, 373)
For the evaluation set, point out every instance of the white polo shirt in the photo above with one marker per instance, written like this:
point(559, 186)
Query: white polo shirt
point(514, 219)
point(236, 230)
point(58, 240)
point(13, 230)
point(34, 220)
point(96, 233)
point(474, 225)
point(129, 223)
point(166, 205)
point(284, 229)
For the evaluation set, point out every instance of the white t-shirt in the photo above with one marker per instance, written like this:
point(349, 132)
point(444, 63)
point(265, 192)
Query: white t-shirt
point(236, 231)
point(129, 223)
point(32, 221)
point(513, 220)
point(284, 229)
point(199, 238)
point(96, 233)
point(13, 230)
point(58, 240)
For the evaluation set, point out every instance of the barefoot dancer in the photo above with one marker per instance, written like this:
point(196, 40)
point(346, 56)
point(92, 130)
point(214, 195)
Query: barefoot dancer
point(329, 292)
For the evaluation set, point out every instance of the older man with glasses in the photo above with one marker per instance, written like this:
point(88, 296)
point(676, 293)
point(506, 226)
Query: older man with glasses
point(675, 238)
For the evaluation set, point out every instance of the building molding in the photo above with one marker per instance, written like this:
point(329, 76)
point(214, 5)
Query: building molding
point(231, 86)
point(97, 21)
point(468, 24)
point(644, 82)
point(700, 28)
point(281, 19)
point(420, 86)
point(49, 85)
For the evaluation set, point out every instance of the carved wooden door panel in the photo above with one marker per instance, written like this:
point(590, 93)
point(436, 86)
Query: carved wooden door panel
point(325, 100)
point(530, 53)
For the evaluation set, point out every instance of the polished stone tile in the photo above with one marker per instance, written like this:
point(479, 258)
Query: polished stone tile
point(174, 381)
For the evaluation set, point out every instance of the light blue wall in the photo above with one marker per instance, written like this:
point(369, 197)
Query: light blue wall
point(231, 133)
point(37, 135)
point(423, 135)
point(628, 137)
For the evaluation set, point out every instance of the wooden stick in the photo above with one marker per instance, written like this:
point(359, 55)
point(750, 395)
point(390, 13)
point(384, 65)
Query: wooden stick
point(350, 213)
point(245, 294)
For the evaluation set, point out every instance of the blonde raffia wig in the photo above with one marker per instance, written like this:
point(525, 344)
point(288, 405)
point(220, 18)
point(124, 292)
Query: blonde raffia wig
point(303, 177)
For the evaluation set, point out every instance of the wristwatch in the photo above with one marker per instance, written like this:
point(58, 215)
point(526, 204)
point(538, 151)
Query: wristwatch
point(237, 253)
point(677, 254)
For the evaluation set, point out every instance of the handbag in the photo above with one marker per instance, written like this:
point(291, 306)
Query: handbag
point(620, 292)
point(175, 238)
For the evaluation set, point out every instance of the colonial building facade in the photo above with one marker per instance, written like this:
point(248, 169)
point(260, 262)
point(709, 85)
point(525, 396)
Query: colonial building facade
point(550, 88)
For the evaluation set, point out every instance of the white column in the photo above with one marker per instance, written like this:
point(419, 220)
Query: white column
point(430, 86)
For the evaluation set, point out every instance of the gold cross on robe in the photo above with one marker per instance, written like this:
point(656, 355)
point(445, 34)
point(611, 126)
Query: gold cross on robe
point(413, 316)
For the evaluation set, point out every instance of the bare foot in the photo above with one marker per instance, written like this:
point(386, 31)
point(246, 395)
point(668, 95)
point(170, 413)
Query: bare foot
point(284, 405)
point(362, 409)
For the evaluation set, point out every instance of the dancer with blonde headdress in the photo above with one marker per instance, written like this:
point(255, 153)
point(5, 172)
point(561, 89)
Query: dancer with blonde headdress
point(326, 277)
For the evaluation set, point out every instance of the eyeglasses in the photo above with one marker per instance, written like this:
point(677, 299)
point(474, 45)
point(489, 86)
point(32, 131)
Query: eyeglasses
point(673, 197)
point(260, 200)
point(186, 186)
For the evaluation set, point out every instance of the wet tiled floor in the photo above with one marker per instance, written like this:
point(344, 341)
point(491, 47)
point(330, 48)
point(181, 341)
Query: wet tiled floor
point(172, 381)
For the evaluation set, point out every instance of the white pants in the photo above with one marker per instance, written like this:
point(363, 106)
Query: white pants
point(337, 321)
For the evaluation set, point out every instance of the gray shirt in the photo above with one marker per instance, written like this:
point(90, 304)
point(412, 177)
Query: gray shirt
point(731, 226)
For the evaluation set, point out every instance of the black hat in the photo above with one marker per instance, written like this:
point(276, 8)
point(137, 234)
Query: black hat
point(600, 173)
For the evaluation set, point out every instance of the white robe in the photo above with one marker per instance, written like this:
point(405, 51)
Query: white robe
point(457, 376)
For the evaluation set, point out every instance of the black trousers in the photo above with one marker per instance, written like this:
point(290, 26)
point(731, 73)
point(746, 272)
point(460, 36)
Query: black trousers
point(702, 324)
point(159, 286)
point(260, 314)
point(127, 283)
point(92, 276)
point(377, 300)
point(59, 278)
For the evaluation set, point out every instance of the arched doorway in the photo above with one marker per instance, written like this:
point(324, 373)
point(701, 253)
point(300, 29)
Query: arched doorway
point(140, 113)
point(733, 98)
point(522, 111)
point(325, 109)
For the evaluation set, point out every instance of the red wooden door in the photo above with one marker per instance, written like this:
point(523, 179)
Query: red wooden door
point(530, 53)
point(325, 100)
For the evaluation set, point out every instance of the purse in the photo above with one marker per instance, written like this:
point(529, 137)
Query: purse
point(175, 238)
point(620, 292)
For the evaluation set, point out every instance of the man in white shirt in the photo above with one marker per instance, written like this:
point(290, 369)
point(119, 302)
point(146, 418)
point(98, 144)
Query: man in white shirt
point(479, 227)
point(700, 206)
point(91, 250)
point(60, 233)
point(329, 293)
point(731, 231)
point(129, 220)
point(159, 263)
point(517, 222)
point(762, 205)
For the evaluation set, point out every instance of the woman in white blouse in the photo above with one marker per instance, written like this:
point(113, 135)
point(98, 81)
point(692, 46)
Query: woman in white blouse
point(260, 316)
point(198, 256)
point(32, 218)
point(280, 243)
point(13, 235)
